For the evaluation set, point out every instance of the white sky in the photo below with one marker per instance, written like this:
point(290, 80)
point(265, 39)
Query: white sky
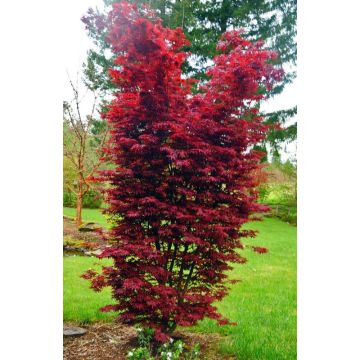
point(76, 40)
point(77, 43)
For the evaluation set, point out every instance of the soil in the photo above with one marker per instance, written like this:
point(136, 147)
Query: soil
point(109, 341)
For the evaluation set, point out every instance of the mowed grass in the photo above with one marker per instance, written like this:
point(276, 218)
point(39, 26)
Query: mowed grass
point(263, 304)
point(88, 215)
point(80, 303)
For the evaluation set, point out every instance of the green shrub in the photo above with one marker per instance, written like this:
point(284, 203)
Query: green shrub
point(284, 212)
point(264, 191)
point(280, 186)
point(92, 200)
point(69, 199)
point(71, 242)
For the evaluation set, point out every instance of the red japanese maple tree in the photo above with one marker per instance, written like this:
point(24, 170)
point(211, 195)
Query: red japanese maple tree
point(183, 179)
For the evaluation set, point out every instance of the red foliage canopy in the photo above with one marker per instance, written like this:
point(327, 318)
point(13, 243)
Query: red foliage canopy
point(183, 181)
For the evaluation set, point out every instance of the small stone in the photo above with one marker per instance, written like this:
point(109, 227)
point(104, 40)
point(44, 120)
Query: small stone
point(74, 331)
point(88, 227)
point(93, 252)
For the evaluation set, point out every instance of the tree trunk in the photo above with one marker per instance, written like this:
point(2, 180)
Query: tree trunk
point(79, 203)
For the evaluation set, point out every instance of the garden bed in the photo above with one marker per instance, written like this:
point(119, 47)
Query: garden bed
point(108, 341)
point(77, 242)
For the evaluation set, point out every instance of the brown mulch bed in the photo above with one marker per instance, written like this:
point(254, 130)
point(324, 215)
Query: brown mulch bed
point(109, 341)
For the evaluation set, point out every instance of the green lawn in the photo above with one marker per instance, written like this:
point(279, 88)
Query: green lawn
point(93, 215)
point(263, 304)
point(81, 304)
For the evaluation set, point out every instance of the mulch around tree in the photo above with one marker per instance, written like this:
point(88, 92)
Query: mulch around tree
point(109, 341)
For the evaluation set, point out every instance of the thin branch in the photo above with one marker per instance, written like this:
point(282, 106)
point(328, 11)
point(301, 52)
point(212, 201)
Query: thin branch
point(188, 279)
point(172, 263)
point(77, 102)
point(71, 188)
point(92, 110)
point(182, 266)
point(73, 122)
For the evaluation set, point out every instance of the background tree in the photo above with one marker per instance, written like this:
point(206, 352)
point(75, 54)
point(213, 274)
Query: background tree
point(203, 22)
point(182, 184)
point(84, 137)
point(274, 22)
